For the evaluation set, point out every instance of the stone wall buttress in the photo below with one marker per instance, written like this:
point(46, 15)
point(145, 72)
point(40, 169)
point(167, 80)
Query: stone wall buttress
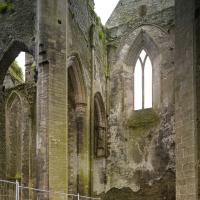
point(52, 96)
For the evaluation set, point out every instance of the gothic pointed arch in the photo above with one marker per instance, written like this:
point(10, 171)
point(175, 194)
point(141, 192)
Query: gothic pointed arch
point(13, 135)
point(77, 118)
point(143, 82)
point(18, 136)
point(76, 77)
point(99, 126)
point(98, 146)
point(142, 42)
point(9, 55)
point(149, 78)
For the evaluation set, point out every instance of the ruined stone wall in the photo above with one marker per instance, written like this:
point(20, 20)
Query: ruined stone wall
point(197, 41)
point(139, 161)
point(82, 40)
point(40, 29)
point(142, 149)
point(13, 136)
point(187, 99)
point(10, 82)
point(128, 10)
point(17, 31)
point(30, 69)
point(20, 131)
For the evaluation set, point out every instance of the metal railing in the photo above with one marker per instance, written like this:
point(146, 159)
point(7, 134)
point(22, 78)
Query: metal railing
point(14, 191)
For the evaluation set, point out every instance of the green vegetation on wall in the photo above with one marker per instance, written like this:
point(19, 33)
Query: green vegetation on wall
point(102, 35)
point(16, 72)
point(6, 6)
point(18, 177)
point(101, 29)
point(143, 119)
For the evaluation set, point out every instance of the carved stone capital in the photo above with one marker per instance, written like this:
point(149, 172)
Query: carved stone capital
point(80, 109)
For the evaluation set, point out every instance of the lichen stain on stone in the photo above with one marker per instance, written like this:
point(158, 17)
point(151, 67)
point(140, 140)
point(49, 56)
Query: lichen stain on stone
point(143, 119)
point(159, 190)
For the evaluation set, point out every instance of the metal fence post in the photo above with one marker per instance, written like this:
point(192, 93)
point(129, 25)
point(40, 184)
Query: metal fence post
point(78, 197)
point(17, 191)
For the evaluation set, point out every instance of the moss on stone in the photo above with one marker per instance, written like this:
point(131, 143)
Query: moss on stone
point(98, 21)
point(10, 5)
point(102, 35)
point(17, 177)
point(101, 29)
point(3, 7)
point(6, 6)
point(143, 119)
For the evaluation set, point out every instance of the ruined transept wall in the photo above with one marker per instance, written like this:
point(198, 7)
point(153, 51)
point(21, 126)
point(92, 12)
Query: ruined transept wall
point(76, 128)
point(142, 153)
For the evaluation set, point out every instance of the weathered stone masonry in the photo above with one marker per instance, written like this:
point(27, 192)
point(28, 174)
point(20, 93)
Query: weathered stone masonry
point(71, 127)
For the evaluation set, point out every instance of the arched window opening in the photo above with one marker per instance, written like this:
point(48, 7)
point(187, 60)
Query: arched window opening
point(13, 136)
point(143, 82)
point(138, 86)
point(21, 70)
point(148, 84)
point(99, 127)
point(76, 94)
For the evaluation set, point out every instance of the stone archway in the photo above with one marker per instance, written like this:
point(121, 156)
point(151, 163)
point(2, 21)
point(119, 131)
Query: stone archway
point(99, 147)
point(99, 126)
point(14, 118)
point(9, 56)
point(77, 128)
point(18, 131)
point(10, 53)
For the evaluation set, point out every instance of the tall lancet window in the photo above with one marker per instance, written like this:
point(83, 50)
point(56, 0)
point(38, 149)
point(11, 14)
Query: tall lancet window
point(143, 82)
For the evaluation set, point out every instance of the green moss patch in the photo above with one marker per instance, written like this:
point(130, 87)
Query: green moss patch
point(143, 119)
point(102, 35)
point(6, 6)
point(17, 177)
point(3, 7)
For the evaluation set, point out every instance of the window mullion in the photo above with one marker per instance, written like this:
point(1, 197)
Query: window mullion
point(143, 86)
point(143, 66)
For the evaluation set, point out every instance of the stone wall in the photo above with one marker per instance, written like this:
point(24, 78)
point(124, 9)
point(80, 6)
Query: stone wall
point(86, 41)
point(35, 28)
point(187, 99)
point(20, 134)
point(197, 41)
point(17, 25)
point(128, 10)
point(84, 77)
point(17, 31)
point(142, 142)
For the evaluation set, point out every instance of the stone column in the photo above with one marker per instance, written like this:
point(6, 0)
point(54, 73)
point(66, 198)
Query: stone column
point(25, 147)
point(52, 97)
point(30, 68)
point(197, 30)
point(2, 134)
point(83, 148)
point(185, 102)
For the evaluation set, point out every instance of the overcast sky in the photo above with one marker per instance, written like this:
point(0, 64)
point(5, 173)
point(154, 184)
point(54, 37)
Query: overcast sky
point(103, 9)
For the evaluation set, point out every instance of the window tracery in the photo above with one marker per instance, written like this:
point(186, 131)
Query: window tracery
point(143, 82)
